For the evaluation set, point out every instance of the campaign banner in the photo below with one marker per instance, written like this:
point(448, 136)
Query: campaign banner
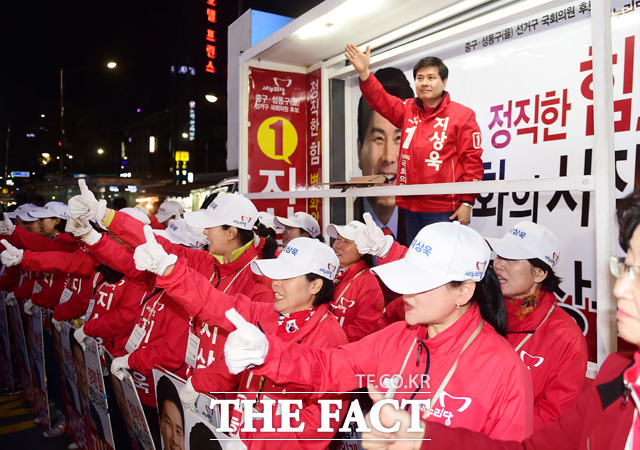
point(22, 355)
point(539, 124)
point(131, 408)
point(284, 151)
point(38, 372)
point(101, 435)
point(6, 368)
point(72, 357)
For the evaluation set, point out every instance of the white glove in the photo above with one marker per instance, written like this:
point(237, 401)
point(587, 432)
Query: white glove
point(151, 256)
point(56, 324)
point(80, 337)
point(85, 205)
point(78, 227)
point(6, 226)
point(29, 306)
point(372, 240)
point(188, 396)
point(246, 347)
point(10, 299)
point(119, 366)
point(12, 255)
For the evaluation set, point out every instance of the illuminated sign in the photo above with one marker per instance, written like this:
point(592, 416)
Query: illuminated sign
point(210, 37)
point(192, 120)
point(20, 174)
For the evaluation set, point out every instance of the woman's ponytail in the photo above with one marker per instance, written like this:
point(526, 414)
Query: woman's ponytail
point(488, 296)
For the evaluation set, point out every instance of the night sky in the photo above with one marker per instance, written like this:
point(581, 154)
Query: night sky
point(144, 37)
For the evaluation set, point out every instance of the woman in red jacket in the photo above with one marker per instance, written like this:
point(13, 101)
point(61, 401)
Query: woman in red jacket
point(357, 298)
point(302, 286)
point(446, 354)
point(545, 337)
point(605, 416)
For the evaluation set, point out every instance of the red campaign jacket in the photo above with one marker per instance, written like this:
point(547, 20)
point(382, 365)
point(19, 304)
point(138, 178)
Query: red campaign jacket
point(26, 282)
point(81, 290)
point(489, 392)
point(202, 300)
point(10, 278)
point(556, 354)
point(451, 125)
point(155, 224)
point(600, 419)
point(62, 242)
point(358, 301)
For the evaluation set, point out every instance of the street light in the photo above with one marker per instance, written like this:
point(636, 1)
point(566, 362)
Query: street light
point(100, 151)
point(110, 65)
point(211, 98)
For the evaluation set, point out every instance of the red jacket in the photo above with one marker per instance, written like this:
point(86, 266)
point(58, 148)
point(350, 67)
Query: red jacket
point(10, 278)
point(322, 331)
point(600, 418)
point(62, 242)
point(358, 301)
point(556, 354)
point(489, 392)
point(440, 145)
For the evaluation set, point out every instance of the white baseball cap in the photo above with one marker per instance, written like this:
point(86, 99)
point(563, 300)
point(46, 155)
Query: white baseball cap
point(22, 212)
point(300, 220)
point(528, 240)
point(169, 209)
point(136, 214)
point(227, 209)
point(301, 256)
point(179, 232)
point(267, 219)
point(347, 231)
point(440, 253)
point(51, 209)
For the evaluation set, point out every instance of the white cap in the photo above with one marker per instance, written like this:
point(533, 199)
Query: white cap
point(169, 209)
point(22, 212)
point(301, 256)
point(136, 214)
point(300, 220)
point(227, 209)
point(440, 253)
point(347, 231)
point(528, 240)
point(179, 232)
point(267, 219)
point(51, 209)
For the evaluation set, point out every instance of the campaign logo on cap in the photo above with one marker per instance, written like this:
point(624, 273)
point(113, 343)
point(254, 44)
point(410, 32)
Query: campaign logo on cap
point(301, 256)
point(347, 231)
point(178, 232)
point(440, 253)
point(227, 209)
point(300, 220)
point(527, 240)
point(169, 209)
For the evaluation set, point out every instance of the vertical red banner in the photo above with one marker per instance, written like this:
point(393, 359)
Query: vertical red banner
point(280, 157)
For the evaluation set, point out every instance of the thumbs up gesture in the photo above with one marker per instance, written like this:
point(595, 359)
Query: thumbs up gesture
point(246, 347)
point(151, 256)
point(85, 205)
point(6, 226)
point(12, 255)
point(372, 240)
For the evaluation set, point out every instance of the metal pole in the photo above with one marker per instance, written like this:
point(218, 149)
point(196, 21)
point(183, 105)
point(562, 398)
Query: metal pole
point(6, 154)
point(61, 155)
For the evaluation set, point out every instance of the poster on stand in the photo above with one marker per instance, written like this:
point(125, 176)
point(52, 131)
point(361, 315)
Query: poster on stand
point(38, 369)
point(72, 356)
point(6, 367)
point(101, 435)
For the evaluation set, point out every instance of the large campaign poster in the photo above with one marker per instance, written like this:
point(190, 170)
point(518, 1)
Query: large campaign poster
point(131, 409)
point(22, 355)
point(38, 369)
point(284, 138)
point(529, 83)
point(101, 435)
point(6, 367)
point(72, 357)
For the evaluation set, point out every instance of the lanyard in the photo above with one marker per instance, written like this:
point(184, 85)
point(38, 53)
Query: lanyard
point(446, 378)
point(531, 332)
point(345, 289)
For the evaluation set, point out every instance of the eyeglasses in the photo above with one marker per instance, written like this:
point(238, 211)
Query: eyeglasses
point(618, 267)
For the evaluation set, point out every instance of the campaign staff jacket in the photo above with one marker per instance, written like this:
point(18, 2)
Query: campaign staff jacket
point(10, 278)
point(556, 354)
point(61, 242)
point(439, 145)
point(234, 277)
point(358, 301)
point(202, 300)
point(489, 392)
point(165, 323)
point(600, 419)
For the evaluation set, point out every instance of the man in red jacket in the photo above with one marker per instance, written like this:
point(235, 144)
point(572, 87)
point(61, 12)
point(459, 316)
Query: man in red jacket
point(440, 140)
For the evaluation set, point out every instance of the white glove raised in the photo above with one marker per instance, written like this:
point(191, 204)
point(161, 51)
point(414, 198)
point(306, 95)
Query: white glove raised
point(78, 227)
point(29, 306)
point(56, 324)
point(188, 396)
point(246, 347)
point(12, 255)
point(372, 240)
point(119, 366)
point(10, 299)
point(85, 205)
point(80, 337)
point(151, 256)
point(6, 226)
